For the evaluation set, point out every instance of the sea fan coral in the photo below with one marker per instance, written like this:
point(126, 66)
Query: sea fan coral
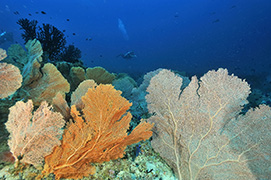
point(10, 79)
point(100, 75)
point(33, 136)
point(48, 85)
point(201, 132)
point(3, 54)
point(98, 134)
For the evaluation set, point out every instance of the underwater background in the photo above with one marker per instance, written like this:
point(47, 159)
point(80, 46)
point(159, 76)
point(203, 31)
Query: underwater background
point(192, 36)
point(103, 75)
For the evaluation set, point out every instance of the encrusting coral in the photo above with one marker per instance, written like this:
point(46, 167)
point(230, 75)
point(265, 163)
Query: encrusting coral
point(98, 134)
point(201, 130)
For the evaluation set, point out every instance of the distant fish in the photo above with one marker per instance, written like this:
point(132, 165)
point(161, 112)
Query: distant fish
point(123, 29)
point(16, 13)
point(42, 12)
point(73, 34)
point(216, 21)
point(3, 33)
point(37, 12)
point(212, 13)
point(233, 6)
point(30, 14)
point(176, 14)
point(7, 8)
point(68, 19)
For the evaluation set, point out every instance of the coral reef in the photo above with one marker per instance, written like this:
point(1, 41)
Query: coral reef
point(200, 132)
point(81, 90)
point(33, 136)
point(60, 105)
point(3, 54)
point(31, 69)
point(203, 128)
point(48, 85)
point(98, 134)
point(100, 75)
point(10, 79)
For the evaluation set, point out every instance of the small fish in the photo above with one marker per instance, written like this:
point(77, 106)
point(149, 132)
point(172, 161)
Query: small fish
point(3, 33)
point(137, 150)
point(30, 14)
point(68, 19)
point(212, 13)
point(42, 12)
point(64, 30)
point(216, 21)
point(16, 13)
point(73, 34)
point(176, 14)
point(37, 12)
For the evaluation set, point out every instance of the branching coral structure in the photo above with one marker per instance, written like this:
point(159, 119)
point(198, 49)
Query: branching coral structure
point(201, 130)
point(10, 77)
point(52, 40)
point(29, 28)
point(33, 136)
point(98, 134)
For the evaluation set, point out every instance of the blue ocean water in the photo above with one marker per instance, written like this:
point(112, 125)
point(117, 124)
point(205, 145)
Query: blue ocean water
point(186, 35)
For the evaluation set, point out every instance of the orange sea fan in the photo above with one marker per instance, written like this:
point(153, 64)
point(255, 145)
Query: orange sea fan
point(98, 134)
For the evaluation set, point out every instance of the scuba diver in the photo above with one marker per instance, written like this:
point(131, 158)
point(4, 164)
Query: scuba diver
point(128, 55)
